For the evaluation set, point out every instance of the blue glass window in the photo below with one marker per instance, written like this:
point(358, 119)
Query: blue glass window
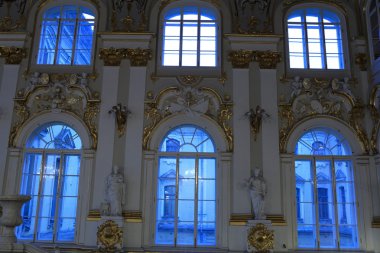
point(325, 194)
point(315, 39)
point(67, 35)
point(51, 177)
point(186, 202)
point(190, 37)
point(374, 27)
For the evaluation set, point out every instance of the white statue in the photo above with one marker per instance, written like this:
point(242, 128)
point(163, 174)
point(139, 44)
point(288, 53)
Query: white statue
point(115, 192)
point(296, 87)
point(257, 192)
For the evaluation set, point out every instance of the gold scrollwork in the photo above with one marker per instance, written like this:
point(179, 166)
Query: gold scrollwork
point(355, 121)
point(139, 56)
point(241, 58)
point(260, 238)
point(23, 115)
point(152, 115)
point(112, 56)
point(12, 55)
point(267, 59)
point(224, 117)
point(109, 236)
point(89, 117)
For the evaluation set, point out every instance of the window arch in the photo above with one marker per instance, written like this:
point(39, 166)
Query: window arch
point(190, 36)
point(186, 186)
point(325, 195)
point(373, 15)
point(315, 38)
point(67, 35)
point(50, 175)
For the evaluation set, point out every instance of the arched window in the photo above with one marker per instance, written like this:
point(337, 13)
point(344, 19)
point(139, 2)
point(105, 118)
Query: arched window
point(186, 204)
point(190, 37)
point(373, 14)
point(67, 35)
point(50, 175)
point(325, 195)
point(314, 39)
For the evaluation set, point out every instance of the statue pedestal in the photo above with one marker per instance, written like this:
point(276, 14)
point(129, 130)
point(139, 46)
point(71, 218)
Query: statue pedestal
point(110, 233)
point(260, 236)
point(11, 217)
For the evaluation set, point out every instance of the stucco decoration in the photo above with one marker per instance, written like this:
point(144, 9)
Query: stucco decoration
point(194, 102)
point(313, 97)
point(58, 93)
point(129, 15)
point(254, 16)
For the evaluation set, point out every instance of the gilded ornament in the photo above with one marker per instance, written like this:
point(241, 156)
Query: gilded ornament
point(189, 80)
point(224, 117)
point(109, 237)
point(241, 58)
point(139, 57)
point(267, 59)
point(6, 23)
point(121, 114)
point(112, 56)
point(89, 117)
point(260, 238)
point(361, 60)
point(12, 55)
point(375, 116)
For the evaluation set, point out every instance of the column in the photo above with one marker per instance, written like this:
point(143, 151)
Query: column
point(242, 150)
point(8, 84)
point(268, 136)
point(224, 197)
point(135, 125)
point(104, 158)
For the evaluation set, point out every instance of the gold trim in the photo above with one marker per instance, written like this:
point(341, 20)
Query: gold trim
point(241, 58)
point(109, 237)
point(376, 222)
point(113, 56)
point(139, 57)
point(260, 238)
point(226, 35)
point(129, 216)
point(267, 59)
point(13, 55)
point(242, 219)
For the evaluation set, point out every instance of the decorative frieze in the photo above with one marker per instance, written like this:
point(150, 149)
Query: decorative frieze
point(113, 56)
point(13, 55)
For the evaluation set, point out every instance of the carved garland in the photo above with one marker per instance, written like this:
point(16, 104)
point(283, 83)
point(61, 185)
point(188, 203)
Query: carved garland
point(313, 97)
point(56, 93)
point(191, 101)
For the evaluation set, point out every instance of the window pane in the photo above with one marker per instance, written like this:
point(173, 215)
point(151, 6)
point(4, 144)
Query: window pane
point(190, 44)
point(186, 188)
point(327, 237)
point(185, 234)
point(167, 167)
point(206, 211)
point(70, 186)
point(206, 233)
point(186, 210)
point(26, 230)
point(53, 13)
point(344, 170)
point(172, 29)
point(69, 12)
point(207, 59)
point(68, 207)
point(348, 236)
point(307, 214)
point(206, 189)
point(189, 58)
point(72, 165)
point(207, 14)
point(82, 57)
point(334, 61)
point(45, 229)
point(306, 190)
point(165, 232)
point(304, 170)
point(206, 168)
point(190, 13)
point(313, 15)
point(306, 236)
point(297, 60)
point(66, 229)
point(171, 58)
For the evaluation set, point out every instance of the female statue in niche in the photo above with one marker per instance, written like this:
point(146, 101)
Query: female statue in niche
point(115, 192)
point(257, 192)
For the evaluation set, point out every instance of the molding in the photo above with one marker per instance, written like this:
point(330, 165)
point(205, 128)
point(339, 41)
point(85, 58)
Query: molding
point(129, 216)
point(12, 55)
point(376, 222)
point(242, 219)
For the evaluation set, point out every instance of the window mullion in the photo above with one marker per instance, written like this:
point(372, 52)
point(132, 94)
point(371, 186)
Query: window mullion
point(316, 202)
point(323, 42)
point(76, 31)
point(176, 202)
point(199, 40)
point(58, 197)
point(335, 202)
point(181, 39)
point(196, 200)
point(57, 40)
point(306, 37)
point(39, 195)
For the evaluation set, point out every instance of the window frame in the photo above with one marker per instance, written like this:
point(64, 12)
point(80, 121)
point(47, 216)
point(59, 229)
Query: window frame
point(370, 28)
point(308, 72)
point(37, 38)
point(196, 156)
point(335, 193)
point(183, 70)
point(62, 154)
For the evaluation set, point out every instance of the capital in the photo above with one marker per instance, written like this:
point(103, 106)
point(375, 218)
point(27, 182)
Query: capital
point(267, 59)
point(241, 58)
point(13, 55)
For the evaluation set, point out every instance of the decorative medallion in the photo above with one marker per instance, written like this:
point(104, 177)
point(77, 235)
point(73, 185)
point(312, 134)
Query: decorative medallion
point(260, 239)
point(109, 237)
